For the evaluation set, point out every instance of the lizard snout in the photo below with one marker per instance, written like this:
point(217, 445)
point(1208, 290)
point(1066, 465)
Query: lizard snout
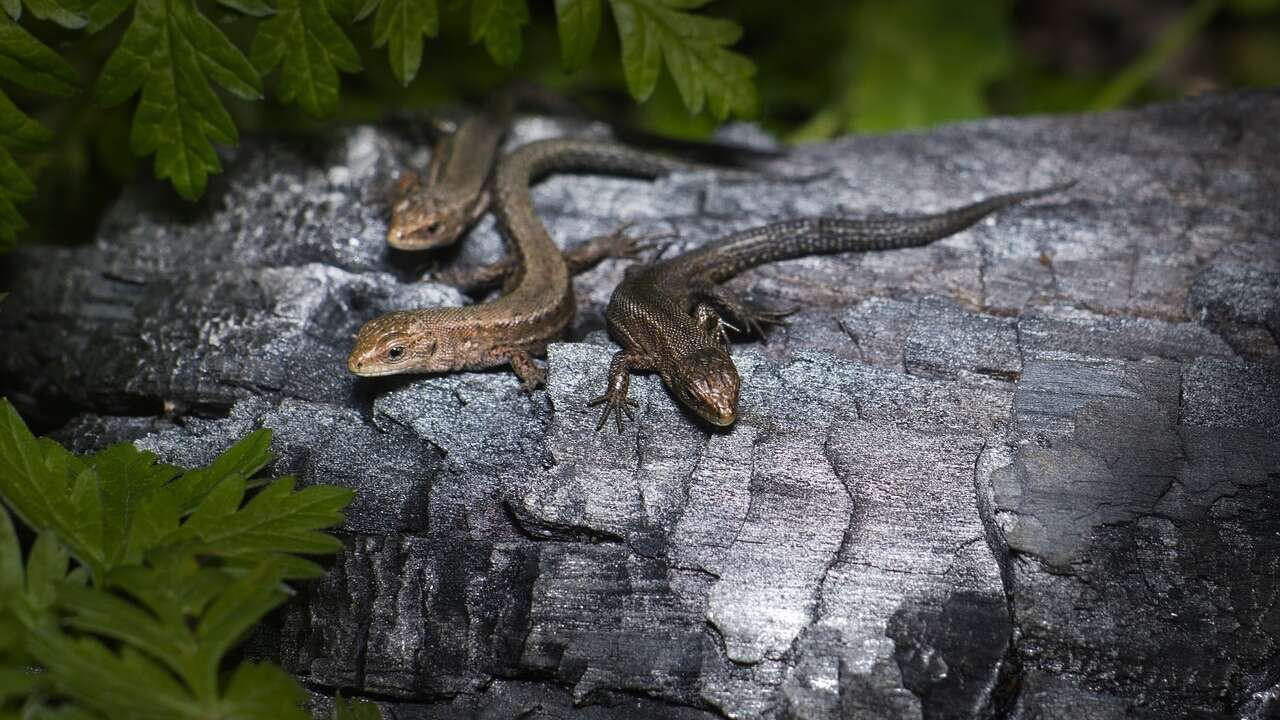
point(708, 385)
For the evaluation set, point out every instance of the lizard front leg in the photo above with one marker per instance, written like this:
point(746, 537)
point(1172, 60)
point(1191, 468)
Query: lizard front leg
point(752, 319)
point(617, 244)
point(711, 322)
point(615, 397)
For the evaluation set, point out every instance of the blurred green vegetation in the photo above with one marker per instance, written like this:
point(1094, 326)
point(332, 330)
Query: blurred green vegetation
point(821, 68)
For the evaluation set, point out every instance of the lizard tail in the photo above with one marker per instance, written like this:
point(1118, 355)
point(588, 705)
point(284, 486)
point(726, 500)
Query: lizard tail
point(740, 251)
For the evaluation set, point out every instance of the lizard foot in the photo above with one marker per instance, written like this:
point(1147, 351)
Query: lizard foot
point(617, 244)
point(754, 320)
point(615, 404)
point(531, 376)
point(534, 380)
point(713, 324)
point(622, 245)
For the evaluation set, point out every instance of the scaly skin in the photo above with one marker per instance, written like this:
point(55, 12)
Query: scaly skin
point(538, 303)
point(666, 315)
point(435, 212)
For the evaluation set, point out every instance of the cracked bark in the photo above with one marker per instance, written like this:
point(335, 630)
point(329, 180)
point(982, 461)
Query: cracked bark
point(1027, 472)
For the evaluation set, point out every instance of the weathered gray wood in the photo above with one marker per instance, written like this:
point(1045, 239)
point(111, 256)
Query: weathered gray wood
point(1030, 471)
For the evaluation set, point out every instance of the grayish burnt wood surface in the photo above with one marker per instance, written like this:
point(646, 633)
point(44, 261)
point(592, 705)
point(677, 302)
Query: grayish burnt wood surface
point(1031, 471)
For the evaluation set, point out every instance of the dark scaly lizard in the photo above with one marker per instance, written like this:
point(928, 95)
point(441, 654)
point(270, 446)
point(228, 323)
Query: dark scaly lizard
point(667, 315)
point(537, 302)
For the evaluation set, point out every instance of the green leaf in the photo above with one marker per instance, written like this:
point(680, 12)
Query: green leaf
point(66, 712)
point(293, 567)
point(219, 504)
point(174, 588)
point(11, 574)
point(67, 14)
point(35, 492)
point(275, 520)
point(192, 618)
point(237, 609)
point(104, 12)
point(254, 8)
point(155, 519)
point(242, 460)
point(579, 24)
point(171, 600)
point(84, 533)
point(310, 48)
point(347, 12)
point(401, 25)
point(29, 63)
point(499, 23)
point(170, 52)
point(264, 691)
point(12, 8)
point(110, 616)
point(127, 478)
point(344, 709)
point(46, 566)
point(87, 671)
point(17, 131)
point(15, 187)
point(17, 683)
point(1173, 40)
point(693, 47)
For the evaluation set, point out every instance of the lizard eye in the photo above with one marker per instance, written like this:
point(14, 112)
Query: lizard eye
point(433, 228)
point(395, 353)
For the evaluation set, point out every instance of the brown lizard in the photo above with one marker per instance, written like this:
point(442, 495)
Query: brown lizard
point(436, 210)
point(538, 300)
point(667, 315)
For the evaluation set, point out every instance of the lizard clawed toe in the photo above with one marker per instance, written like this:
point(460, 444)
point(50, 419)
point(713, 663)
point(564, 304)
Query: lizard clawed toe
point(627, 246)
point(615, 406)
point(653, 242)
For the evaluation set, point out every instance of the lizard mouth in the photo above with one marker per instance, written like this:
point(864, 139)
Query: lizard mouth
point(370, 369)
point(369, 372)
point(724, 420)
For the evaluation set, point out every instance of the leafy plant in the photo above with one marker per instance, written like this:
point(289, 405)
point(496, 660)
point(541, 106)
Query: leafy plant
point(28, 63)
point(145, 575)
point(173, 57)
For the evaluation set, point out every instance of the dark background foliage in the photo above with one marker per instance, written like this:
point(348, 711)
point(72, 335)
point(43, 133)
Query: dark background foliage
point(824, 67)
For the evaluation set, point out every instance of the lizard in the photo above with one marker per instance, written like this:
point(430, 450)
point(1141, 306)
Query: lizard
point(434, 211)
point(667, 315)
point(537, 302)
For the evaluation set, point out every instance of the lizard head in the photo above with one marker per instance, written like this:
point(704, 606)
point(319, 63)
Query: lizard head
point(422, 341)
point(421, 220)
point(707, 382)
